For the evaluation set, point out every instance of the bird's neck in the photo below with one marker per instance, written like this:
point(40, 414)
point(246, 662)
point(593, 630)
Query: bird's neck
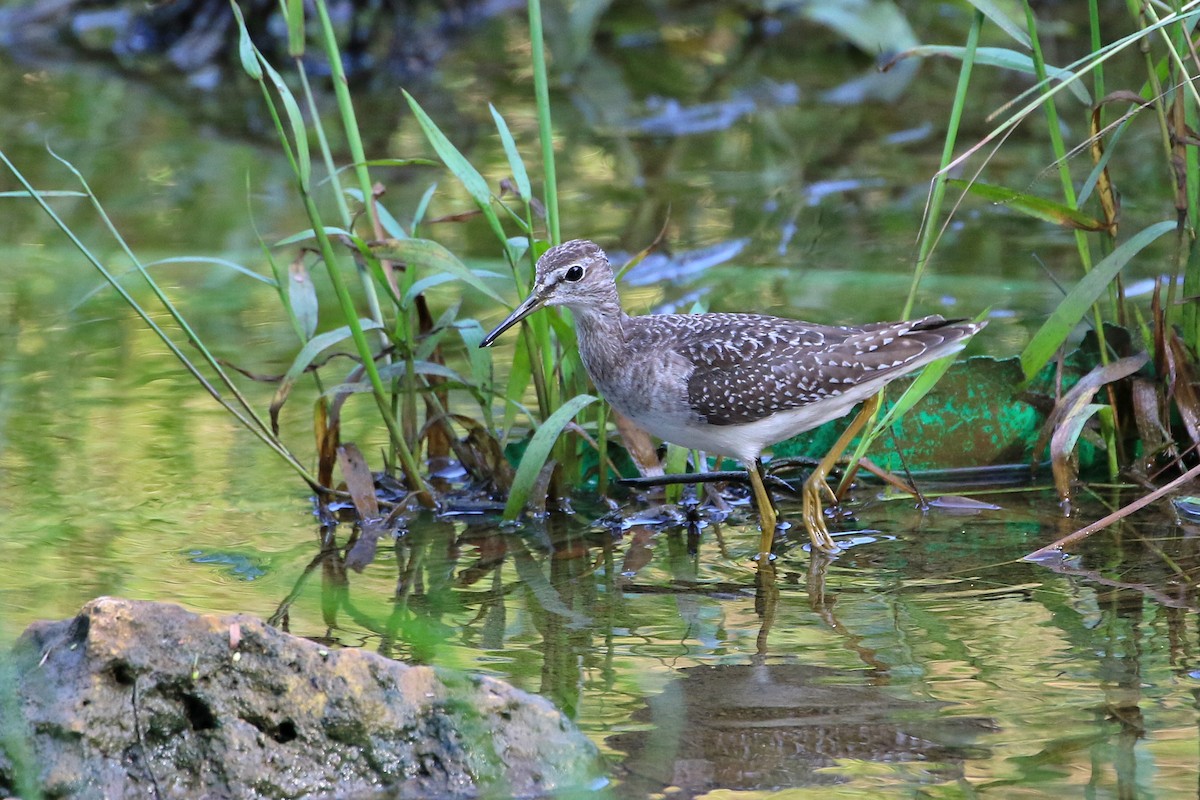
point(604, 318)
point(602, 338)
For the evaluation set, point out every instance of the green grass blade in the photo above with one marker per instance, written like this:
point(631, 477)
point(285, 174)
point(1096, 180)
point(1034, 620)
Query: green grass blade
point(1001, 20)
point(483, 374)
point(915, 392)
point(541, 92)
point(475, 184)
point(930, 227)
point(295, 120)
point(309, 233)
point(519, 374)
point(220, 262)
point(431, 256)
point(515, 164)
point(246, 51)
point(1005, 58)
point(1079, 300)
point(318, 344)
point(675, 464)
point(1033, 206)
point(295, 27)
point(425, 284)
point(538, 450)
point(40, 193)
point(422, 207)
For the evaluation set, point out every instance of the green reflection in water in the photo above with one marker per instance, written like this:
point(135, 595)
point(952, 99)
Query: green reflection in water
point(980, 672)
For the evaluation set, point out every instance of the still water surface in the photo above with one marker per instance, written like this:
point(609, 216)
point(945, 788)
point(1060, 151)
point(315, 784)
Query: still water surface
point(926, 659)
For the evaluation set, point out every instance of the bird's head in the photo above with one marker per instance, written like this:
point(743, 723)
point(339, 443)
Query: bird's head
point(575, 274)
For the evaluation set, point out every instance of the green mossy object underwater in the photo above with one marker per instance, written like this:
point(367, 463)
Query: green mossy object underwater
point(980, 414)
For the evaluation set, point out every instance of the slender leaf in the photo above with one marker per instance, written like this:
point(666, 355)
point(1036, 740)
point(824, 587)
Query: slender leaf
point(993, 12)
point(515, 164)
point(539, 450)
point(40, 193)
point(313, 348)
point(427, 283)
point(519, 374)
point(302, 296)
point(295, 119)
point(482, 369)
point(309, 233)
point(398, 369)
point(475, 184)
point(295, 26)
point(422, 207)
point(1005, 59)
point(1031, 205)
point(220, 262)
point(1070, 311)
point(675, 464)
point(431, 256)
point(916, 391)
point(246, 52)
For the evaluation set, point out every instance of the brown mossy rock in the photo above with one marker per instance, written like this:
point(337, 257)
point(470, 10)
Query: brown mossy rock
point(138, 699)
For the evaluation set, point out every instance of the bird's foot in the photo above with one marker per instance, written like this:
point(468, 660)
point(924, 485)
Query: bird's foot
point(814, 514)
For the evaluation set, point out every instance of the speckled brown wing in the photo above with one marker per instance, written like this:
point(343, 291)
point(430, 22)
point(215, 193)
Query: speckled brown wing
point(748, 367)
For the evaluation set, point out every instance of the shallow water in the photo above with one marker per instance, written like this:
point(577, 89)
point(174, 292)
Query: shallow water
point(926, 658)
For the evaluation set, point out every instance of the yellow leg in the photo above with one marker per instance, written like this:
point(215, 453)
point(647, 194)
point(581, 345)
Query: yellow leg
point(766, 512)
point(815, 486)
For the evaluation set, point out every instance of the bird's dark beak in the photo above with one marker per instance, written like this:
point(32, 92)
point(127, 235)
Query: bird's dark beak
point(530, 305)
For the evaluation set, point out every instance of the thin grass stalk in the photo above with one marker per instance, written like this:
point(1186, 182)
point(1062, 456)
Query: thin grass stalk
point(255, 64)
point(1190, 315)
point(1040, 91)
point(341, 90)
point(253, 424)
point(170, 307)
point(1054, 130)
point(602, 450)
point(541, 91)
point(302, 170)
point(408, 462)
point(339, 196)
point(930, 230)
point(1097, 72)
point(1064, 169)
point(1182, 155)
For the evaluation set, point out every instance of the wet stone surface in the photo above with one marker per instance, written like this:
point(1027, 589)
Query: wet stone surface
point(137, 699)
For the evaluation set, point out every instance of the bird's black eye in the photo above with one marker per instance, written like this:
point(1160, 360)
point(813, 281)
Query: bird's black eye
point(574, 273)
